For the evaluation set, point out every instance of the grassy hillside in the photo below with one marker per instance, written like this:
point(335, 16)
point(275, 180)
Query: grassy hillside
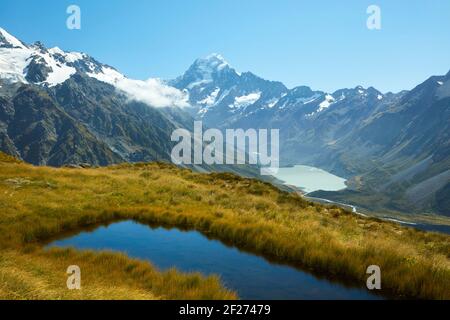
point(39, 203)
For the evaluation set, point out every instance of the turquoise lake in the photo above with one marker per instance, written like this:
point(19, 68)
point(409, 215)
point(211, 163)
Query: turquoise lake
point(310, 179)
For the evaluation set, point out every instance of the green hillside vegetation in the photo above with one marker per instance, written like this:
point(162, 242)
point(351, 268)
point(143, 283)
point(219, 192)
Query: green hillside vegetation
point(38, 204)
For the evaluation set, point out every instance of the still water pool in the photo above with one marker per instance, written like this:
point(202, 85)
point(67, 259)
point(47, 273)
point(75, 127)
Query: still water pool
point(252, 276)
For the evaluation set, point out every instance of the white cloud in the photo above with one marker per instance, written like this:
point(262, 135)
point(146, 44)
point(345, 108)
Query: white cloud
point(152, 91)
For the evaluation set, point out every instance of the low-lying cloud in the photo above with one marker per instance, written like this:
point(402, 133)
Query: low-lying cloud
point(153, 92)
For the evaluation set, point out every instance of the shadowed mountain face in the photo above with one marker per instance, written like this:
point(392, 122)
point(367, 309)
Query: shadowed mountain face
point(133, 130)
point(60, 108)
point(407, 146)
point(82, 121)
point(36, 129)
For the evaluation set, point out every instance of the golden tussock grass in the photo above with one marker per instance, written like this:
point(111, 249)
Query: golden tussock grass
point(40, 203)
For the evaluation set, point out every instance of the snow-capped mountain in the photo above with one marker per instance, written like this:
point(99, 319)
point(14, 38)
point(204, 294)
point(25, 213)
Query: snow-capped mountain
point(225, 98)
point(218, 92)
point(35, 64)
point(59, 107)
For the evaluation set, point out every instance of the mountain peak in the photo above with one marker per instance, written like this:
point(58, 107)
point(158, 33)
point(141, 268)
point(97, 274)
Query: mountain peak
point(40, 46)
point(205, 71)
point(302, 91)
point(211, 63)
point(9, 41)
point(216, 57)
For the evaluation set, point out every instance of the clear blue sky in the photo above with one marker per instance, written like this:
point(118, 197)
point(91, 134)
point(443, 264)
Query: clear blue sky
point(323, 44)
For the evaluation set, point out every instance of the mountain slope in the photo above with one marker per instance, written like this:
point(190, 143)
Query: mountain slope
point(409, 143)
point(39, 131)
point(60, 107)
point(394, 148)
point(131, 129)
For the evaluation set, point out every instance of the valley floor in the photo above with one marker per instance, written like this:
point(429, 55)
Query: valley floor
point(38, 204)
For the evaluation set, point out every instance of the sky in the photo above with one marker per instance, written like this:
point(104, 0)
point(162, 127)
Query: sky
point(324, 44)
